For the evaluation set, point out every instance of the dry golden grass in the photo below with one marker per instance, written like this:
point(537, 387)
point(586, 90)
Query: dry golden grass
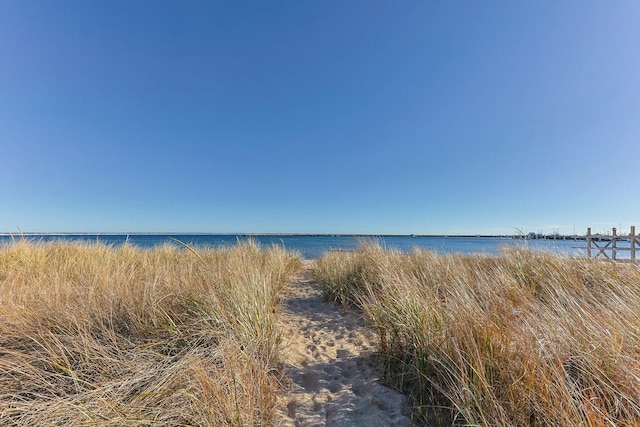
point(97, 335)
point(522, 339)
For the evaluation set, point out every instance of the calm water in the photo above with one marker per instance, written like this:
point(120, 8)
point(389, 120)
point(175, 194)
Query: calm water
point(315, 246)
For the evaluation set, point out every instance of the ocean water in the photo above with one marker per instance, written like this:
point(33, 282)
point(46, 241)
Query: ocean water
point(315, 246)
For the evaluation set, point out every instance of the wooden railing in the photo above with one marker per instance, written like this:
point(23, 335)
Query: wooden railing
point(611, 246)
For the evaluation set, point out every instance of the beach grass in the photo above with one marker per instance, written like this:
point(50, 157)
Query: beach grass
point(525, 338)
point(99, 335)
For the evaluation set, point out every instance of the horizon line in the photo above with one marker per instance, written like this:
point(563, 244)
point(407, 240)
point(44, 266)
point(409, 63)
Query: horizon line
point(250, 234)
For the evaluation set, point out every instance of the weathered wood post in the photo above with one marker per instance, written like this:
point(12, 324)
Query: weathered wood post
point(632, 240)
point(589, 242)
point(614, 238)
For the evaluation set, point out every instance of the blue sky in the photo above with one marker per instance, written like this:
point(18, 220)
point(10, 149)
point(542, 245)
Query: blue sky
point(321, 117)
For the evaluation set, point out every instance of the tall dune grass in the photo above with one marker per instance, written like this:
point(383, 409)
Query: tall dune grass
point(110, 336)
point(522, 339)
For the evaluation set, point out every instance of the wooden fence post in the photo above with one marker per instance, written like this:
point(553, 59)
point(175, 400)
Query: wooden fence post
point(614, 238)
point(632, 241)
point(589, 242)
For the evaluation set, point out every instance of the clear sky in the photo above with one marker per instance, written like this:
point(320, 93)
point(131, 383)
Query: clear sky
point(319, 116)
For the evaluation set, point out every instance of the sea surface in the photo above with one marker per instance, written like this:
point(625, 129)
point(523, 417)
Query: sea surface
point(314, 246)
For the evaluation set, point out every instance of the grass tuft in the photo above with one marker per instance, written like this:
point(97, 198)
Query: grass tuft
point(99, 335)
point(525, 338)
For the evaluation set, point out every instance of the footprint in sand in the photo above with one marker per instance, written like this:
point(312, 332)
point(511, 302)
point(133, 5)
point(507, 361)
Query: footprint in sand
point(325, 353)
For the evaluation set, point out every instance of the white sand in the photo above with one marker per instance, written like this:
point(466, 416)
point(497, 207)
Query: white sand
point(330, 380)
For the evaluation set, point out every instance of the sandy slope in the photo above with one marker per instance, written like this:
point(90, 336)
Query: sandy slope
point(330, 381)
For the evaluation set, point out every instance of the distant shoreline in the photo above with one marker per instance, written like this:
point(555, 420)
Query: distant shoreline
point(158, 233)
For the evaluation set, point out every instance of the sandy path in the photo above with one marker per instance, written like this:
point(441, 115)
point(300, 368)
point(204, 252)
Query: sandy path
point(330, 381)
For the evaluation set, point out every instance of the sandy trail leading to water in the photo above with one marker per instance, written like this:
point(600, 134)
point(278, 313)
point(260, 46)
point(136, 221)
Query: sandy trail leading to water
point(329, 380)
